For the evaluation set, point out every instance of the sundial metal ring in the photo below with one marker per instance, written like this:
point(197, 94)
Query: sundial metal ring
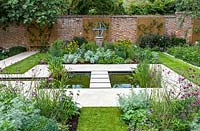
point(99, 29)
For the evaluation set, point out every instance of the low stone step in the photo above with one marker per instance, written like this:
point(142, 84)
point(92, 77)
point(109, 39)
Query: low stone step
point(99, 73)
point(100, 85)
point(100, 81)
point(99, 77)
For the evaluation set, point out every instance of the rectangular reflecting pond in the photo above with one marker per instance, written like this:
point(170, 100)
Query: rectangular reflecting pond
point(120, 79)
point(79, 80)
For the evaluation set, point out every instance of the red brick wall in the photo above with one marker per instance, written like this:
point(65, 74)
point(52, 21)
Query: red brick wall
point(121, 27)
point(14, 35)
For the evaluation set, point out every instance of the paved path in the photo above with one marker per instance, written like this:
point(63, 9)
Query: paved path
point(99, 79)
point(11, 60)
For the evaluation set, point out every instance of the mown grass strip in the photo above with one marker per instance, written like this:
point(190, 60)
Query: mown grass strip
point(180, 67)
point(101, 119)
point(24, 65)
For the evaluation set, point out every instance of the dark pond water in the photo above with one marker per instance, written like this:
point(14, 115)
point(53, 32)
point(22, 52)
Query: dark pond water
point(79, 80)
point(120, 79)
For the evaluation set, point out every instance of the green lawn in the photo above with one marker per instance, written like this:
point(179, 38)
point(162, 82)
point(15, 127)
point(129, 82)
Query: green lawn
point(25, 64)
point(181, 68)
point(101, 119)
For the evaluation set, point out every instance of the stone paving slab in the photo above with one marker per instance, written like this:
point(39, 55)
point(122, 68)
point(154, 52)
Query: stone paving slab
point(99, 77)
point(100, 85)
point(12, 60)
point(99, 80)
point(102, 97)
point(99, 73)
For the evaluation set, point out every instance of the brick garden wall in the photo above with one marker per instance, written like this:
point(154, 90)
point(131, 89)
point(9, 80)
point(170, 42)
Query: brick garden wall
point(121, 27)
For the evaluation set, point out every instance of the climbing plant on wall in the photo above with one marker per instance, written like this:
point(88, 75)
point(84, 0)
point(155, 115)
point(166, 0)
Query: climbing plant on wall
point(191, 8)
point(149, 25)
point(38, 16)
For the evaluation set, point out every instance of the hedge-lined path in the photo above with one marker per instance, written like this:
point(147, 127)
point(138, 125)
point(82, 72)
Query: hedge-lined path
point(14, 59)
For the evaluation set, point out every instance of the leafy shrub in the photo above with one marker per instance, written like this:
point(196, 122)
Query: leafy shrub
point(175, 41)
point(16, 50)
point(40, 123)
point(4, 53)
point(160, 42)
point(56, 48)
point(154, 41)
point(107, 45)
point(92, 46)
point(134, 108)
point(80, 40)
point(118, 60)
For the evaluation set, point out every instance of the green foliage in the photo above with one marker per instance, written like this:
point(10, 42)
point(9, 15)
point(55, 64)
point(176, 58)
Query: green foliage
point(134, 108)
point(173, 110)
point(40, 123)
point(152, 7)
point(160, 42)
point(110, 52)
point(195, 124)
point(56, 104)
point(4, 53)
point(72, 58)
point(108, 45)
point(56, 49)
point(123, 48)
point(90, 46)
point(146, 77)
point(133, 101)
point(80, 40)
point(57, 72)
point(16, 112)
point(16, 50)
point(97, 7)
point(189, 7)
point(187, 53)
point(29, 12)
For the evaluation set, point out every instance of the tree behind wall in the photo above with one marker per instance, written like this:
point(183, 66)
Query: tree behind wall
point(38, 16)
point(96, 7)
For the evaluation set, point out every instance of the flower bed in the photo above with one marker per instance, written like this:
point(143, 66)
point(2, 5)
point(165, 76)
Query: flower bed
point(111, 53)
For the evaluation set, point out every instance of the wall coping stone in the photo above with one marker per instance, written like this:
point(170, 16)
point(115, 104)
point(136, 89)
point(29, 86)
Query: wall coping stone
point(115, 16)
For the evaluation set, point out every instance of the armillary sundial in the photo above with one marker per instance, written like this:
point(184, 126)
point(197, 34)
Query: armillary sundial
point(98, 31)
